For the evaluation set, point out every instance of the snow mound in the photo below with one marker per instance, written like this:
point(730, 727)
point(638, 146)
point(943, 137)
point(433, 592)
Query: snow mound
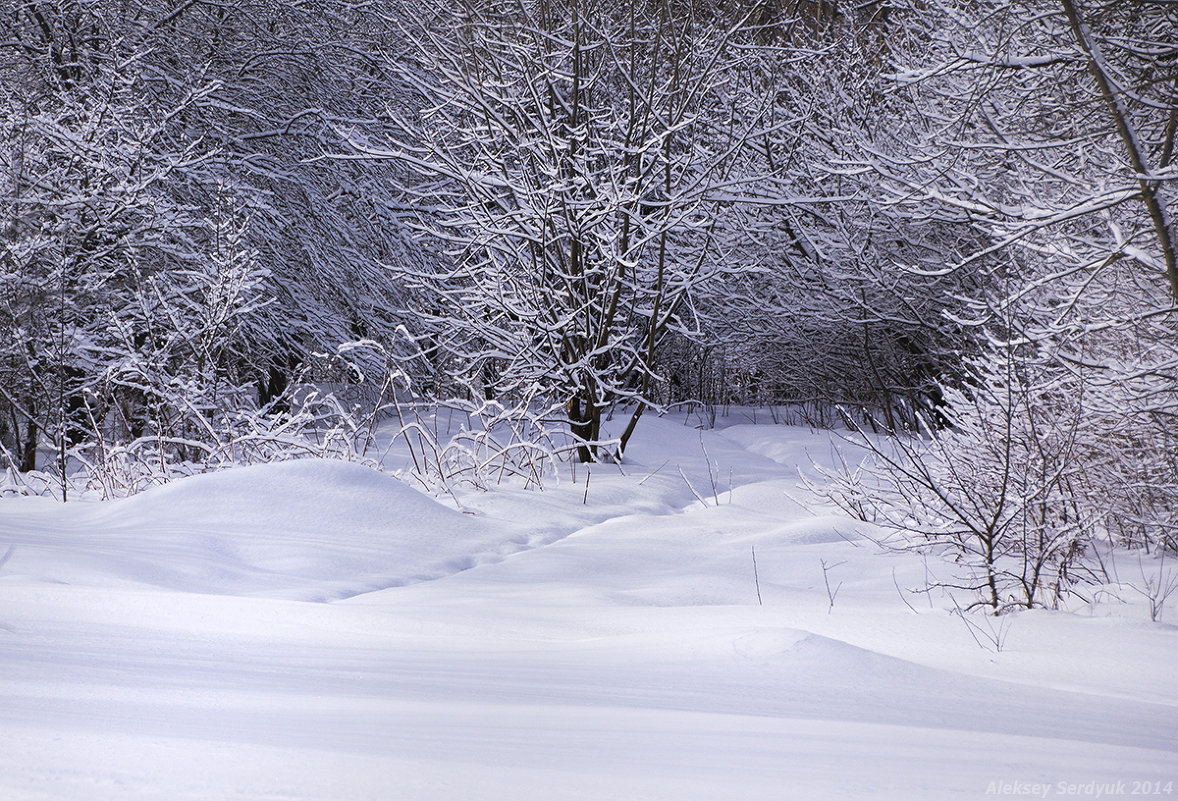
point(300, 530)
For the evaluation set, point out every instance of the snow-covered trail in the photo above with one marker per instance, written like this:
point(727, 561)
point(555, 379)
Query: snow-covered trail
point(543, 649)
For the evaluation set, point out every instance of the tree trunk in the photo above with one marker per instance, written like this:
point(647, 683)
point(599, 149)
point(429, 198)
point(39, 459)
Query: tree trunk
point(28, 455)
point(630, 429)
point(585, 425)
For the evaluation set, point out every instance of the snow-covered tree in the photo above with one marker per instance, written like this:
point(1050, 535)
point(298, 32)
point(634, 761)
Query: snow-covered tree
point(846, 302)
point(90, 213)
point(169, 237)
point(1049, 129)
point(580, 162)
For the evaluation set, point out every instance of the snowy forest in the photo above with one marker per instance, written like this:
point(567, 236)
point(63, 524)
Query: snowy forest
point(625, 399)
point(244, 230)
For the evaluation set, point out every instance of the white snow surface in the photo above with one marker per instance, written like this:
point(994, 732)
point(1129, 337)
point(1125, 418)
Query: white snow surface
point(319, 630)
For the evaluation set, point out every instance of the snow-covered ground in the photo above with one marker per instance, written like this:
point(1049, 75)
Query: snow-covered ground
point(317, 630)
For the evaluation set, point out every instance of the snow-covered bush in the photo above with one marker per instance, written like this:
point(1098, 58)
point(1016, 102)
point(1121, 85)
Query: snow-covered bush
point(1039, 464)
point(483, 443)
point(1041, 126)
point(999, 490)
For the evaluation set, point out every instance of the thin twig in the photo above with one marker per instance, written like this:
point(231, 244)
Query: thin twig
point(756, 577)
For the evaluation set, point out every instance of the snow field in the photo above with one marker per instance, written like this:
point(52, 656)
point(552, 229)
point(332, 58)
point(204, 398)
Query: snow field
point(316, 630)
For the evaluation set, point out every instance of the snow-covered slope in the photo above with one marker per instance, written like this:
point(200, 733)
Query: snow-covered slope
point(315, 630)
point(300, 530)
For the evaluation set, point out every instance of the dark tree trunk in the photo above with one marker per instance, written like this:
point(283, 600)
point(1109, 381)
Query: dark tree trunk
point(585, 425)
point(276, 384)
point(28, 454)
